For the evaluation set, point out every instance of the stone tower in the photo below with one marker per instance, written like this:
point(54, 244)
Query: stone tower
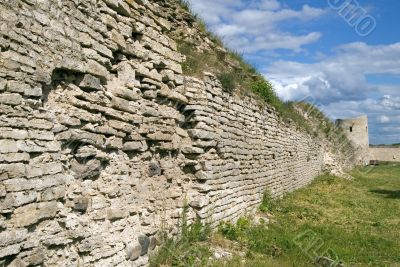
point(356, 130)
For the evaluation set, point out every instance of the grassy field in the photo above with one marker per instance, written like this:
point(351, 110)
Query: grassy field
point(356, 222)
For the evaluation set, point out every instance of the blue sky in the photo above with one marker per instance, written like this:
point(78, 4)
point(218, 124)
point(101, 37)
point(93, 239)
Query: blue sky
point(309, 49)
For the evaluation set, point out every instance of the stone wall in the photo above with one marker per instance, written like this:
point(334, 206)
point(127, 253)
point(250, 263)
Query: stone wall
point(103, 140)
point(385, 153)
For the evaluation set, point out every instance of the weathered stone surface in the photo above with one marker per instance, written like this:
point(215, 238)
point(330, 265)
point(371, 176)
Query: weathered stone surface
point(86, 170)
point(154, 168)
point(8, 146)
point(90, 82)
point(10, 237)
point(144, 242)
point(12, 170)
point(81, 204)
point(32, 213)
point(116, 214)
point(135, 146)
point(103, 139)
point(133, 252)
point(10, 99)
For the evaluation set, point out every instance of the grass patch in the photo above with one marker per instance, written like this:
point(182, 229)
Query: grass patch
point(353, 221)
point(190, 249)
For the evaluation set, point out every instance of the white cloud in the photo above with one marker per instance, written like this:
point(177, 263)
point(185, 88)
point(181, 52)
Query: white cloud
point(342, 76)
point(384, 119)
point(253, 26)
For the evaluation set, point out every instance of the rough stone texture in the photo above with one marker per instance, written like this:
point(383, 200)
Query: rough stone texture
point(103, 140)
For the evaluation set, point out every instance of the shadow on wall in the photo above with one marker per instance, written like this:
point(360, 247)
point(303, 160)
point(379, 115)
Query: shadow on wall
point(394, 194)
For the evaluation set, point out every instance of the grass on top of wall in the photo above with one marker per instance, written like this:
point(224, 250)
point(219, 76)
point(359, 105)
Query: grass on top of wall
point(354, 221)
point(234, 73)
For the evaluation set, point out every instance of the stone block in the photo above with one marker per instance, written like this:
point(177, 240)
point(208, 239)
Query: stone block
point(129, 94)
point(32, 213)
point(50, 181)
point(10, 99)
point(34, 91)
point(9, 133)
point(40, 124)
point(12, 170)
point(114, 142)
point(192, 150)
point(3, 84)
point(53, 193)
point(87, 170)
point(116, 213)
point(17, 199)
point(90, 82)
point(149, 111)
point(91, 243)
point(96, 69)
point(43, 169)
point(81, 204)
point(144, 242)
point(123, 104)
point(159, 136)
point(96, 140)
point(154, 168)
point(12, 236)
point(200, 202)
point(8, 146)
point(135, 146)
point(10, 250)
point(17, 87)
point(203, 176)
point(37, 146)
point(133, 252)
point(15, 157)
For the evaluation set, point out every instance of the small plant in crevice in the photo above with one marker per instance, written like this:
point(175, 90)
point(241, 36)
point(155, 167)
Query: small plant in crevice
point(228, 81)
point(189, 249)
point(268, 203)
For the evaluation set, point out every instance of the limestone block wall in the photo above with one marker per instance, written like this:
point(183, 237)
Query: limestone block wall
point(245, 149)
point(103, 140)
point(385, 153)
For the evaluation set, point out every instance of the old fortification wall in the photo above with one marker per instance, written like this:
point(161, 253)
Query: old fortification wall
point(384, 153)
point(103, 140)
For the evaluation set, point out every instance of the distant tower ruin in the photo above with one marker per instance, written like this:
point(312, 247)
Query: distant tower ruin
point(356, 130)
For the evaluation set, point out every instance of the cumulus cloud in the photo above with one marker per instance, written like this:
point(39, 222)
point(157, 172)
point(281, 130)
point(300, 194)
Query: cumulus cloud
point(341, 76)
point(254, 26)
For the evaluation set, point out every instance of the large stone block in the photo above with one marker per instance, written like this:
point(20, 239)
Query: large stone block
point(8, 146)
point(10, 99)
point(135, 146)
point(32, 213)
point(90, 82)
point(12, 170)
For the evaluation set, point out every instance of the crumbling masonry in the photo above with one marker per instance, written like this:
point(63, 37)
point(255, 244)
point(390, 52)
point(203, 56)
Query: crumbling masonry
point(103, 140)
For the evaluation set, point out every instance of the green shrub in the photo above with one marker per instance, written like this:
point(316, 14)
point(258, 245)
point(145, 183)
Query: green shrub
point(228, 81)
point(188, 249)
point(184, 4)
point(264, 89)
point(268, 203)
